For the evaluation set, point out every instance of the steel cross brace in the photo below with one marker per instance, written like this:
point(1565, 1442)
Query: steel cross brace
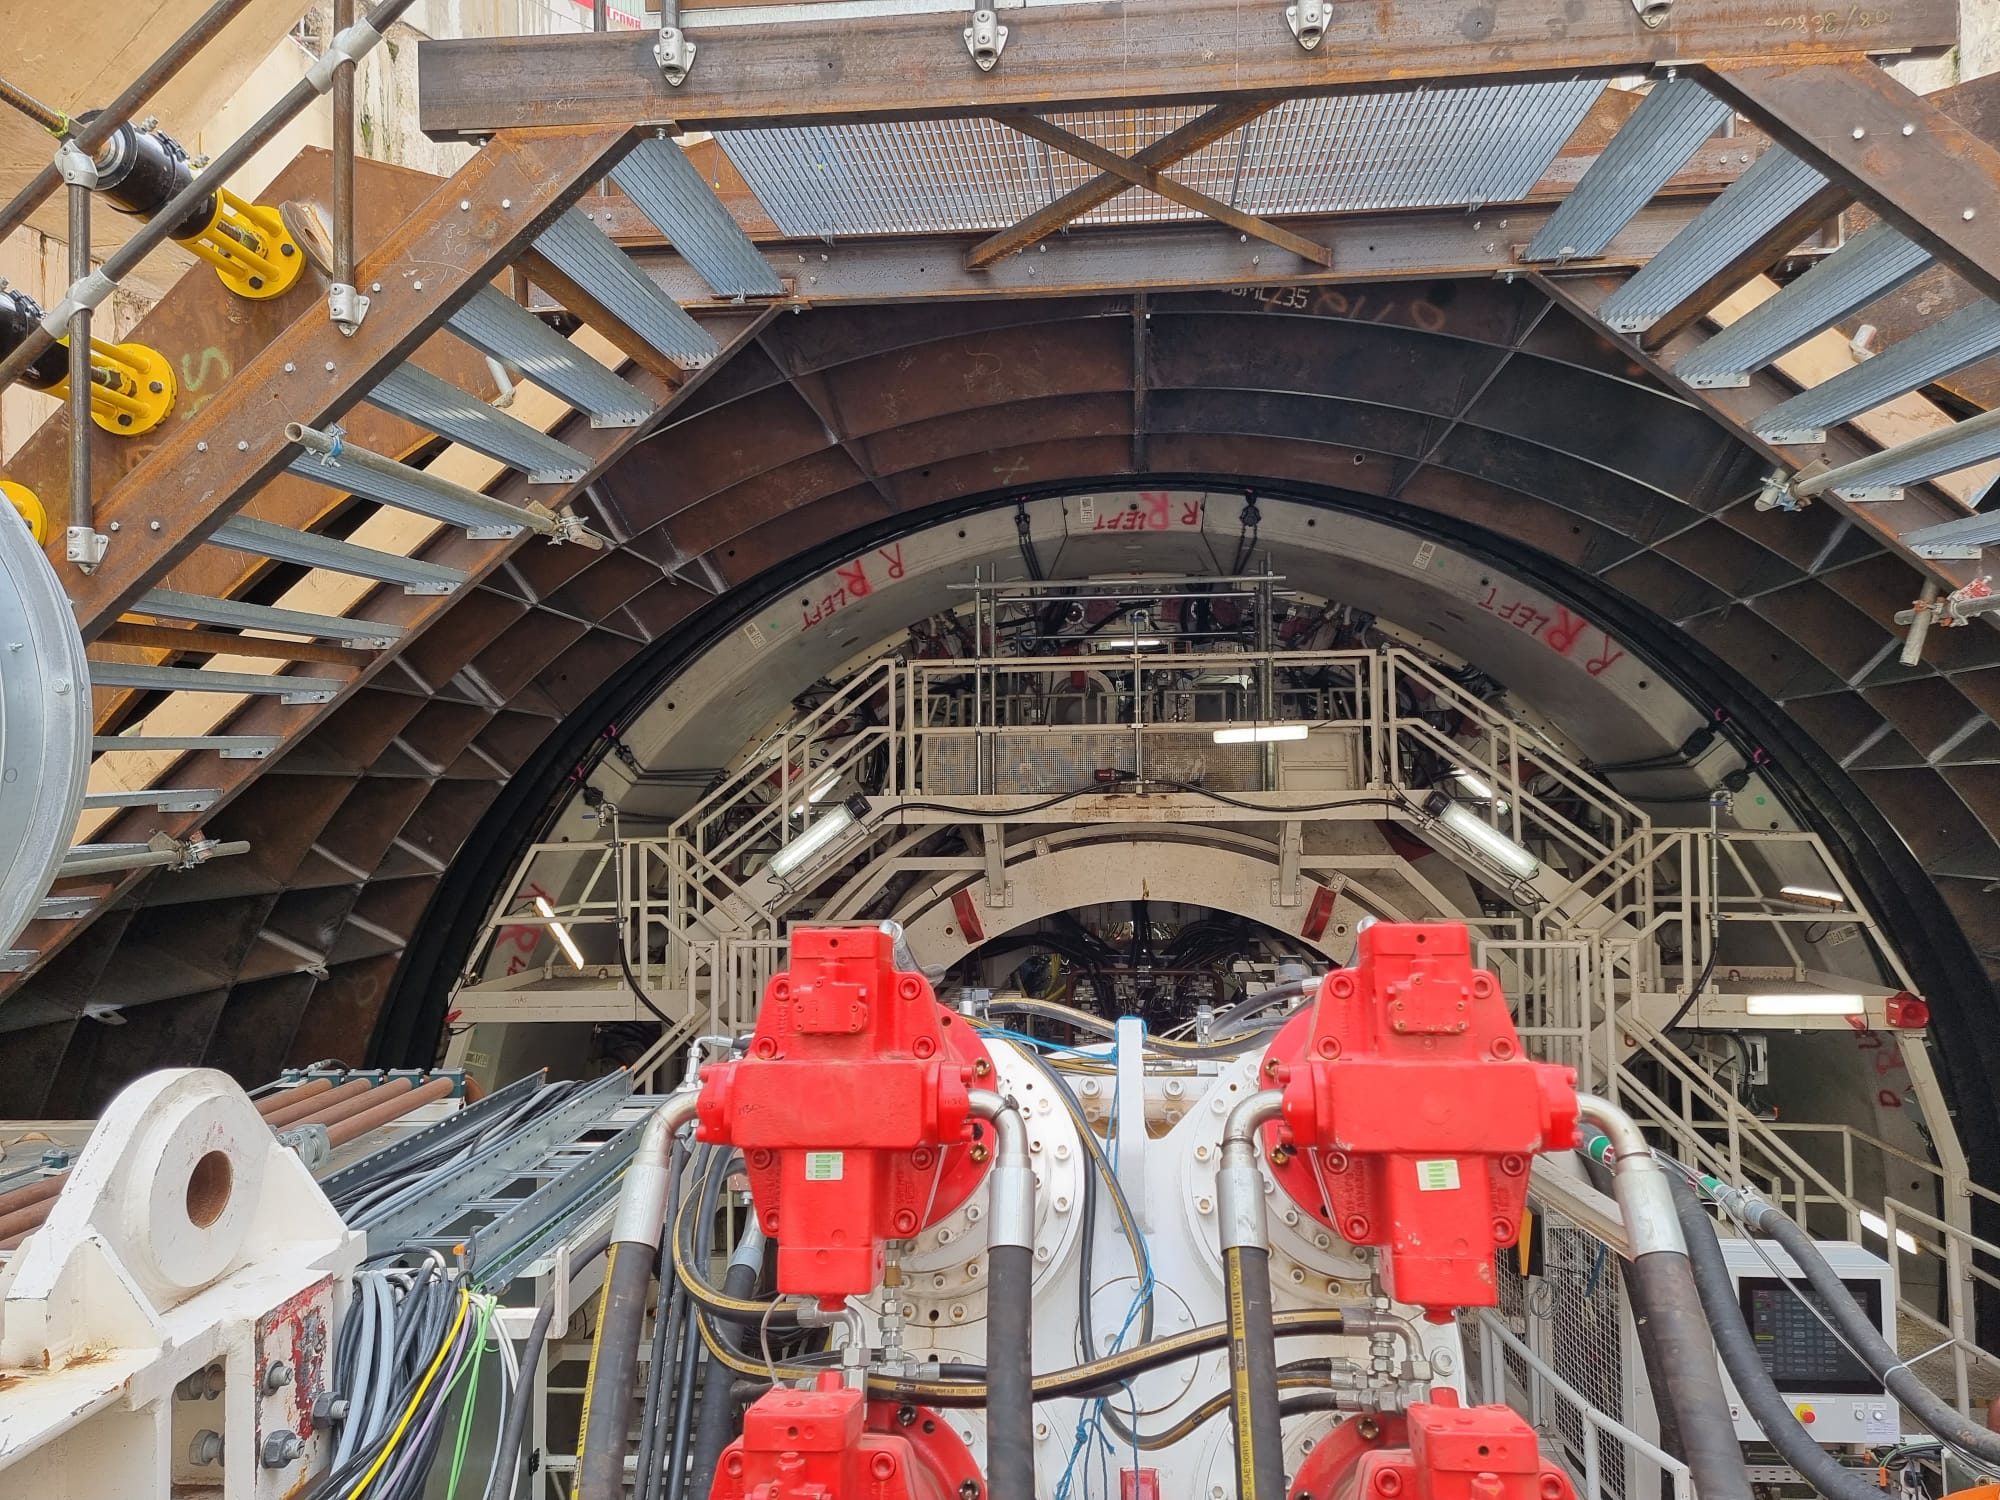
point(1176, 145)
point(1134, 173)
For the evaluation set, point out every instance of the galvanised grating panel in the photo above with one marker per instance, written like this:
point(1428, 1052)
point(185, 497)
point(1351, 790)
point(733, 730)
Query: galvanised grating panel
point(1417, 148)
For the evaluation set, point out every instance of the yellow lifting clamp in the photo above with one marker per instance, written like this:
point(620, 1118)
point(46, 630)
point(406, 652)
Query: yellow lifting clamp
point(249, 246)
point(132, 387)
point(29, 505)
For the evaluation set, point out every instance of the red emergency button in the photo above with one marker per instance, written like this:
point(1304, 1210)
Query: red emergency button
point(1804, 1414)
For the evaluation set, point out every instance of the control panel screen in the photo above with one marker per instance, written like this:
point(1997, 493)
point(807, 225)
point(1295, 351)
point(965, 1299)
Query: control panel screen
point(1800, 1351)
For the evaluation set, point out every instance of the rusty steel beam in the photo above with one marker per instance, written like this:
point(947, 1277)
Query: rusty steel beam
point(1136, 175)
point(1432, 243)
point(1176, 145)
point(427, 267)
point(1096, 56)
point(1897, 151)
point(413, 612)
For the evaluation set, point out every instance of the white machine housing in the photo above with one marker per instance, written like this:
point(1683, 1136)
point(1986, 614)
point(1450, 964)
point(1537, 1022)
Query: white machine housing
point(168, 1330)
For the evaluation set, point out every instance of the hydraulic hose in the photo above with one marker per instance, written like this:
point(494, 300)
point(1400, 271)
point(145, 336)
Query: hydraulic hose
point(1101, 1377)
point(614, 1353)
point(1673, 1333)
point(1246, 1270)
point(716, 1419)
point(1863, 1337)
point(1767, 1406)
point(515, 1423)
point(1010, 1267)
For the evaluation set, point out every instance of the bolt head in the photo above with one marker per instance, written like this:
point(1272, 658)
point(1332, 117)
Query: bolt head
point(464, 204)
point(290, 368)
point(256, 283)
point(242, 446)
point(1968, 215)
point(201, 447)
point(416, 286)
point(1859, 132)
point(506, 202)
point(152, 525)
point(329, 367)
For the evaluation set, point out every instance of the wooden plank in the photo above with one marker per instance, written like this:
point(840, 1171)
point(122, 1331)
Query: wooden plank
point(1100, 55)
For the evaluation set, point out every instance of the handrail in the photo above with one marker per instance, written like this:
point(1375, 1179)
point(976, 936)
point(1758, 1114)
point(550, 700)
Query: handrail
point(1493, 1329)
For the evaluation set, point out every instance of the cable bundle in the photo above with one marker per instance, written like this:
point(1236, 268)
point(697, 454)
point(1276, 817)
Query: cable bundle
point(414, 1339)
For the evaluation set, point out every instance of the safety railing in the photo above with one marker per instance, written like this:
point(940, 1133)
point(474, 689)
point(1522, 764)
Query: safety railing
point(1544, 1397)
point(1911, 1232)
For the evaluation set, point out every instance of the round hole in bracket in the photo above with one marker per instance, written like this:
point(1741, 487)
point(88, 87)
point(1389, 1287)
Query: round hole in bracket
point(208, 1189)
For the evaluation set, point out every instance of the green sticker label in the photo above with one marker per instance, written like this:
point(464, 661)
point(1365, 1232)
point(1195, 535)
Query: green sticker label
point(827, 1166)
point(1437, 1176)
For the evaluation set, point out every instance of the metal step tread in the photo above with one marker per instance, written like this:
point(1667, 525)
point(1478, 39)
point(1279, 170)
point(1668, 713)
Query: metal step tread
point(586, 255)
point(240, 614)
point(1663, 132)
point(669, 189)
point(230, 746)
point(1772, 188)
point(416, 395)
point(332, 461)
point(308, 549)
point(166, 798)
point(1873, 263)
point(495, 324)
point(121, 674)
point(1966, 337)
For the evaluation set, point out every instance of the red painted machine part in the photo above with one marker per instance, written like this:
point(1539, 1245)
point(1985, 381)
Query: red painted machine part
point(850, 1110)
point(1411, 1113)
point(831, 1444)
point(1446, 1452)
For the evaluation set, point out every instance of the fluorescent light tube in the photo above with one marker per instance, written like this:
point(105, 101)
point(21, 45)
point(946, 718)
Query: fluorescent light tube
point(1261, 734)
point(817, 836)
point(1805, 1003)
point(1128, 643)
point(1878, 1226)
point(561, 933)
point(1812, 894)
point(1475, 785)
point(826, 785)
point(1480, 835)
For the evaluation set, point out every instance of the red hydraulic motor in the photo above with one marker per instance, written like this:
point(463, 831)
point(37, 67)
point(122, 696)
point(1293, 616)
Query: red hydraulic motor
point(857, 1111)
point(1411, 1113)
point(1439, 1451)
point(852, 1110)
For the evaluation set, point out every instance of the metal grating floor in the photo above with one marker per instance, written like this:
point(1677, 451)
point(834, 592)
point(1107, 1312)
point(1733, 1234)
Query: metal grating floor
point(1418, 148)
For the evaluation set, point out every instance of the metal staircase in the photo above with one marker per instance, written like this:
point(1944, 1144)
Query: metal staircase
point(238, 681)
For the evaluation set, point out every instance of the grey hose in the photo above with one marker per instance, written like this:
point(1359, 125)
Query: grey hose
point(1865, 1339)
point(1767, 1406)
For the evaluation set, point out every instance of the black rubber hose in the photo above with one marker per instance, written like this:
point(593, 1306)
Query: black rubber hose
point(607, 1397)
point(1680, 1361)
point(1253, 1375)
point(1865, 1339)
point(1010, 1371)
point(1768, 1407)
point(690, 1353)
point(715, 1422)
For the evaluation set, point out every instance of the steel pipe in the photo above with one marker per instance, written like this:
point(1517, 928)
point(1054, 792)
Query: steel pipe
point(82, 515)
point(288, 1105)
point(352, 1128)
